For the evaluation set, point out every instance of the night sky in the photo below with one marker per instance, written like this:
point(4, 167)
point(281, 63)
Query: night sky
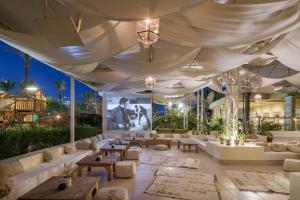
point(12, 68)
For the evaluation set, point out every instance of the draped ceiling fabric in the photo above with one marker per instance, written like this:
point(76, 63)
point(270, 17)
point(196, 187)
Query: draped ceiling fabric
point(199, 39)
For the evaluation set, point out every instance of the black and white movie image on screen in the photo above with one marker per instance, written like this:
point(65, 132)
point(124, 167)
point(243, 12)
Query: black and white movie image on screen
point(129, 113)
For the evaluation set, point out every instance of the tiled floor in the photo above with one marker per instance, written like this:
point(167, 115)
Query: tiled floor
point(227, 190)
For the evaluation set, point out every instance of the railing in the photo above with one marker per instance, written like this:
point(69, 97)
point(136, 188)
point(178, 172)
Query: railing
point(286, 123)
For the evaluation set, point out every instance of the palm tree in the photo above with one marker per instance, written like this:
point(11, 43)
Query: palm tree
point(60, 85)
point(89, 101)
point(7, 86)
point(26, 59)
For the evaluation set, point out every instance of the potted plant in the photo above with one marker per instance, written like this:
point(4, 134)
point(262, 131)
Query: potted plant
point(242, 137)
point(69, 171)
point(222, 137)
point(265, 127)
point(237, 141)
point(228, 142)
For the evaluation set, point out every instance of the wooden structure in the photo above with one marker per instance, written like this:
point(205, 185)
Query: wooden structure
point(21, 107)
point(82, 188)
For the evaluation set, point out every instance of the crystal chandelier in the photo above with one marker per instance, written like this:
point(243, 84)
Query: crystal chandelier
point(147, 31)
point(150, 81)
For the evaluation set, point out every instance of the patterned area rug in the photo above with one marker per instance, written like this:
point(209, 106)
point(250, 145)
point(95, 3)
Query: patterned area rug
point(172, 161)
point(259, 181)
point(177, 184)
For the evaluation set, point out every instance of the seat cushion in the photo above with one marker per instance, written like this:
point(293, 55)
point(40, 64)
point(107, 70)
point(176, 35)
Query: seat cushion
point(291, 165)
point(294, 149)
point(160, 147)
point(112, 193)
point(38, 174)
point(278, 147)
point(266, 146)
point(11, 169)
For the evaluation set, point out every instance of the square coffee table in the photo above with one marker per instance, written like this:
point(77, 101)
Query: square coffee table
point(83, 188)
point(187, 142)
point(90, 161)
point(122, 149)
point(152, 141)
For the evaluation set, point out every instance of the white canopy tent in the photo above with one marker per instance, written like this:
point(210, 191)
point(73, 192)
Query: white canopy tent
point(198, 39)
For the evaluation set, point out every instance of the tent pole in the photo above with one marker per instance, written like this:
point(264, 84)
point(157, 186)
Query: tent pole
point(198, 112)
point(72, 110)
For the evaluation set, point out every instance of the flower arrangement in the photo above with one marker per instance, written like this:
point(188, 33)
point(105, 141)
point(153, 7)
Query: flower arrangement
point(69, 170)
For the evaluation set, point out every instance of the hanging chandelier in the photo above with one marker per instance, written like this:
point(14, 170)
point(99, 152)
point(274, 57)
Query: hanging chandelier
point(150, 81)
point(147, 31)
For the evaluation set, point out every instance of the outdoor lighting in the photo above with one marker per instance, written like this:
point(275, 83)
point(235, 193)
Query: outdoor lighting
point(278, 88)
point(58, 116)
point(147, 31)
point(150, 81)
point(257, 98)
point(31, 88)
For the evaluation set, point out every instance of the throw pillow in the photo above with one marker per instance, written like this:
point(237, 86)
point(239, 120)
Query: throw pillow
point(266, 146)
point(83, 145)
point(11, 169)
point(94, 139)
point(278, 147)
point(294, 149)
point(6, 185)
point(99, 137)
point(185, 135)
point(70, 148)
point(51, 154)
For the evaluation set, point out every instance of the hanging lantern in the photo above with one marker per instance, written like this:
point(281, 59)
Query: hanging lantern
point(150, 81)
point(147, 31)
point(257, 98)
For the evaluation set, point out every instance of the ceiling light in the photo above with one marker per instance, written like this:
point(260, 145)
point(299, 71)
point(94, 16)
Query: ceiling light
point(150, 82)
point(257, 98)
point(147, 31)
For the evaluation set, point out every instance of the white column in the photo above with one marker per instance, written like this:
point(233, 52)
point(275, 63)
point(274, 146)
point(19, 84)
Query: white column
point(198, 111)
point(202, 110)
point(72, 110)
point(187, 115)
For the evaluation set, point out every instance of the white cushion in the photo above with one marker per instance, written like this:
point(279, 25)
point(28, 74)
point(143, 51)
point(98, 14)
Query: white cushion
point(161, 147)
point(112, 193)
point(272, 155)
point(291, 165)
point(34, 176)
point(134, 153)
point(125, 169)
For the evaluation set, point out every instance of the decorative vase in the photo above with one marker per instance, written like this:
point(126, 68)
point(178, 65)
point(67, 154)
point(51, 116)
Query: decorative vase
point(222, 141)
point(228, 142)
point(236, 142)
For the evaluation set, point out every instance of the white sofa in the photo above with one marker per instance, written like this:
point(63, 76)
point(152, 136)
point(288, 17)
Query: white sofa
point(36, 170)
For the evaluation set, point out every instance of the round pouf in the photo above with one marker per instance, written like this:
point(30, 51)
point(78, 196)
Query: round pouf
point(161, 147)
point(291, 165)
point(125, 169)
point(112, 193)
point(133, 153)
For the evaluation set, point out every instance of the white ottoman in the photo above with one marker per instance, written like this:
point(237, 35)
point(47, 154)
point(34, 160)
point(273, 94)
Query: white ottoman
point(294, 186)
point(112, 193)
point(134, 153)
point(125, 169)
point(161, 147)
point(291, 165)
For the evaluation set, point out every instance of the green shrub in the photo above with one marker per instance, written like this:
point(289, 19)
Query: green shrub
point(19, 140)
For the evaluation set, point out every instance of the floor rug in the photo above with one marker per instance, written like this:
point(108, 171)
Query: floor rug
point(259, 181)
point(173, 161)
point(183, 185)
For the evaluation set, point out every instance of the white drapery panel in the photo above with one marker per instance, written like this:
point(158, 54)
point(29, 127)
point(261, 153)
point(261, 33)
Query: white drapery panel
point(192, 32)
point(122, 10)
point(210, 24)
